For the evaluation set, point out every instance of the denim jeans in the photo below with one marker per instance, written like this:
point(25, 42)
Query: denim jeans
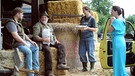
point(31, 57)
point(87, 46)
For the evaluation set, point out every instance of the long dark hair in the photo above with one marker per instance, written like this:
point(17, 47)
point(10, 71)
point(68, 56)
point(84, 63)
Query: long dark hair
point(119, 10)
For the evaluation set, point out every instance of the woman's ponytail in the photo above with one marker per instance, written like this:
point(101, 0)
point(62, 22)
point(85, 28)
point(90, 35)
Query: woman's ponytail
point(122, 12)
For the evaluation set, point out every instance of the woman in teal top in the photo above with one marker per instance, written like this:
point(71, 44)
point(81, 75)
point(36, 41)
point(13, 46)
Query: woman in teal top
point(117, 29)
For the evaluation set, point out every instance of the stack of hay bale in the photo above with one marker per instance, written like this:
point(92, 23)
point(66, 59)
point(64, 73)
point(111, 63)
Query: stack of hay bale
point(54, 61)
point(70, 7)
point(63, 26)
point(6, 59)
point(41, 60)
point(67, 34)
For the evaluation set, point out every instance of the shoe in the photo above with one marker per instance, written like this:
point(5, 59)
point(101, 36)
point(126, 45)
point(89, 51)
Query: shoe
point(36, 71)
point(92, 70)
point(50, 74)
point(92, 66)
point(84, 64)
point(62, 67)
point(84, 69)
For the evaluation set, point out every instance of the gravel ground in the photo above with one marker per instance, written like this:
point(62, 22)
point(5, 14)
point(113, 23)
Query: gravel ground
point(99, 71)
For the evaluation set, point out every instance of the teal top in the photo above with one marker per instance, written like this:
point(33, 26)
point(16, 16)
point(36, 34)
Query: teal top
point(119, 27)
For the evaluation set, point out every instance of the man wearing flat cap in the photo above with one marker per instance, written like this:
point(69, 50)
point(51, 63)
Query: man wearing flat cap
point(43, 32)
point(13, 32)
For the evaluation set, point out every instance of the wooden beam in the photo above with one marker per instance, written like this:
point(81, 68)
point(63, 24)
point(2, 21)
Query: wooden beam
point(35, 11)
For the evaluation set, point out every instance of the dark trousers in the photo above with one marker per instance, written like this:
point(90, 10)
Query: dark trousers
point(48, 57)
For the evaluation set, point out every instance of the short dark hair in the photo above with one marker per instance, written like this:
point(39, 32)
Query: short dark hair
point(17, 10)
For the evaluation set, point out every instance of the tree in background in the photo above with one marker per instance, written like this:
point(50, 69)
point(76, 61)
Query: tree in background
point(131, 18)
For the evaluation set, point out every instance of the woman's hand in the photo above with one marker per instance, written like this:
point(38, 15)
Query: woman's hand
point(111, 28)
point(112, 19)
point(86, 28)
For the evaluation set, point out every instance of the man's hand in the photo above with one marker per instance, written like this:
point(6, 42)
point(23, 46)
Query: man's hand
point(57, 41)
point(46, 39)
point(34, 43)
point(27, 45)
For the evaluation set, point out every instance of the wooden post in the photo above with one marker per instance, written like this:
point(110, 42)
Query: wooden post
point(0, 36)
point(35, 11)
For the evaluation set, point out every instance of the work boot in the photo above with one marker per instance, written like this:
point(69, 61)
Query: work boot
point(84, 67)
point(92, 66)
point(50, 74)
point(62, 67)
point(36, 71)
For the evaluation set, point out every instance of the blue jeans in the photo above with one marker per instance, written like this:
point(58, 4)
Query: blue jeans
point(31, 57)
point(87, 46)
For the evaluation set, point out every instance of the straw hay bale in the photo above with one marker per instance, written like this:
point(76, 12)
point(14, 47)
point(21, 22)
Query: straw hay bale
point(64, 7)
point(54, 61)
point(41, 61)
point(64, 27)
point(73, 7)
point(23, 67)
point(6, 58)
point(68, 20)
point(95, 15)
point(68, 36)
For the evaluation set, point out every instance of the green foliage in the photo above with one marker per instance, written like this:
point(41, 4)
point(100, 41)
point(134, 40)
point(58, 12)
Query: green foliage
point(132, 20)
point(102, 6)
point(102, 22)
